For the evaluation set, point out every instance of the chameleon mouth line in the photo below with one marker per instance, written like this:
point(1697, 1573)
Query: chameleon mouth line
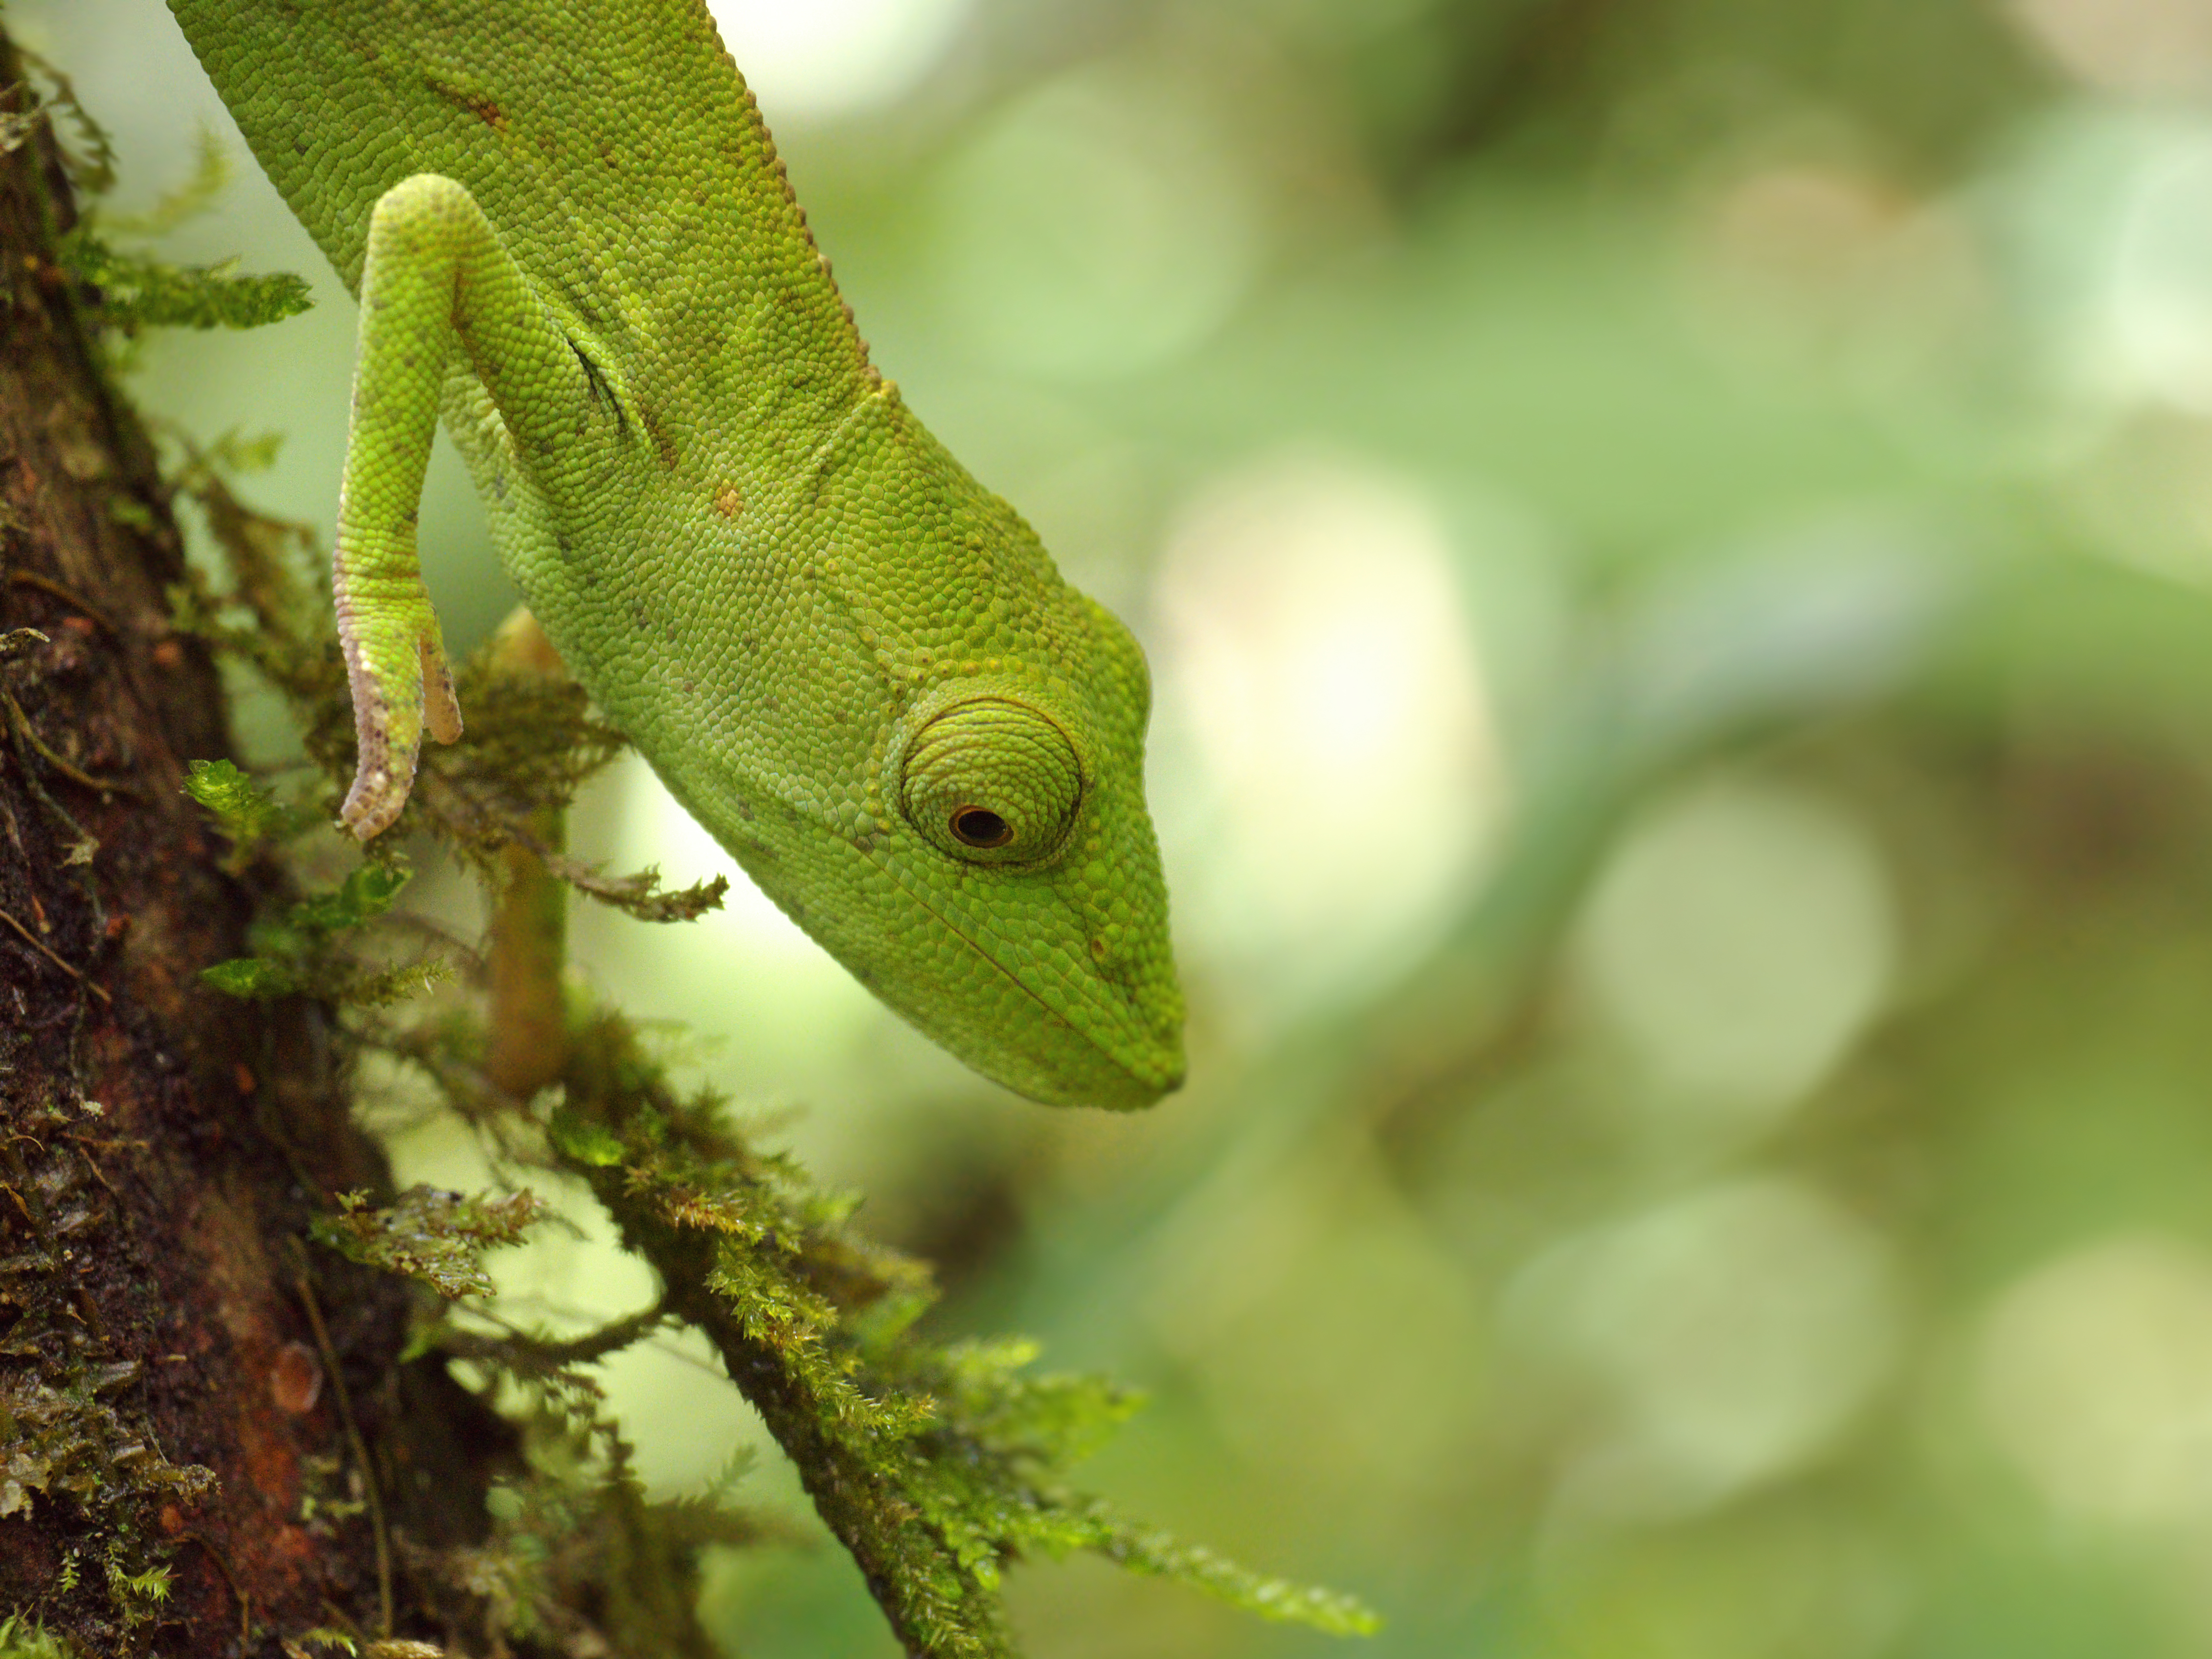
point(961, 935)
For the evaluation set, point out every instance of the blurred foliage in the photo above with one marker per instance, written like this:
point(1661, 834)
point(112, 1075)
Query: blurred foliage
point(1675, 540)
point(135, 292)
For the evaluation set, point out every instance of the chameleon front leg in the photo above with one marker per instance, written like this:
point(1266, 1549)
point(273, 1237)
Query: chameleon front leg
point(436, 279)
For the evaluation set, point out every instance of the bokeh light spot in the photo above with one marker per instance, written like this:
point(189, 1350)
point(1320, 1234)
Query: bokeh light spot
point(1095, 227)
point(831, 57)
point(2125, 45)
point(2095, 1376)
point(1318, 651)
point(1740, 942)
point(1737, 1331)
point(2161, 295)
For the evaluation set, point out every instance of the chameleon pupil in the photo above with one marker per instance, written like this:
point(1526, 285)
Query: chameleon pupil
point(980, 827)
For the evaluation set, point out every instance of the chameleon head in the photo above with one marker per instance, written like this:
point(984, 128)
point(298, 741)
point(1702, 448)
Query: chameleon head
point(939, 772)
point(987, 868)
point(1022, 834)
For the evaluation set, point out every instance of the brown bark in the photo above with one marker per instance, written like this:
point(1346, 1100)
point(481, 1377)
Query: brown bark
point(162, 1146)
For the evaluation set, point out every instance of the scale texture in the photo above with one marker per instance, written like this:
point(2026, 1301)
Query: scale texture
point(855, 665)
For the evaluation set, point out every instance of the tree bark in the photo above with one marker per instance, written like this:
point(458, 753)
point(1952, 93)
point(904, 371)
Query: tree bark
point(180, 1471)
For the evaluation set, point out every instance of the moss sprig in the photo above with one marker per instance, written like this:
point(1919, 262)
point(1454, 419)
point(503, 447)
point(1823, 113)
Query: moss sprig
point(137, 291)
point(435, 1238)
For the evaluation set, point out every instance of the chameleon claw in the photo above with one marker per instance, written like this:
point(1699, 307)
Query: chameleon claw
point(385, 773)
point(389, 749)
point(374, 803)
point(441, 709)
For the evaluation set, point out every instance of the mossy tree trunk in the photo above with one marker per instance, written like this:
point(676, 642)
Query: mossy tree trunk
point(175, 1456)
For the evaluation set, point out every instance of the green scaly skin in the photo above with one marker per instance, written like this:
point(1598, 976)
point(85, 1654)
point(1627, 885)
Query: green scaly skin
point(850, 661)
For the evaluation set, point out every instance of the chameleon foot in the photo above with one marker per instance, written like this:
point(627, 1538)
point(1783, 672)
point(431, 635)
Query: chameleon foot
point(388, 730)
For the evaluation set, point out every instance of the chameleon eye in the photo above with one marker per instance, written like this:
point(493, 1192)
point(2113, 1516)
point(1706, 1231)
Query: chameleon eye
point(991, 781)
point(979, 826)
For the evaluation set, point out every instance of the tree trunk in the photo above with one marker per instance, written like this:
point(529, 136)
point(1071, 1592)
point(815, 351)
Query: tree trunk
point(181, 1471)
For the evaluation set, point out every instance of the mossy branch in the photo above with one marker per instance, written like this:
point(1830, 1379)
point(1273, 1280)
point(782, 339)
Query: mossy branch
point(934, 1464)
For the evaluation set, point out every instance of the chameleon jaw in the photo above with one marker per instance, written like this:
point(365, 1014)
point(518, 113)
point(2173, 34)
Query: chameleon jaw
point(1046, 1056)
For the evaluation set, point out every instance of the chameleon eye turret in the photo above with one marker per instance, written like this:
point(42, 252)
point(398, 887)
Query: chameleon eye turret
point(992, 781)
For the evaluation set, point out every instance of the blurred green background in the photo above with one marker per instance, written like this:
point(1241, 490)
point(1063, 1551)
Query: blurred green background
point(1675, 541)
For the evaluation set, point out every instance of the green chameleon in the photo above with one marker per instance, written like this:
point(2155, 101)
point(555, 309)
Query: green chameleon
point(857, 667)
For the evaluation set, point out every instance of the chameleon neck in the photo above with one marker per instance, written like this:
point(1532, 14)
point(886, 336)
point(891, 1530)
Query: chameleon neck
point(614, 147)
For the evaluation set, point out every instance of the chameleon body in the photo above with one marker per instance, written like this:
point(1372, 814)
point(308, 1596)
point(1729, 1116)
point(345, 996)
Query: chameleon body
point(857, 667)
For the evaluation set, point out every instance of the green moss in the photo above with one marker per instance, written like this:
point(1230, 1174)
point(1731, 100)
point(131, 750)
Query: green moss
point(139, 1596)
point(26, 1638)
point(132, 290)
point(243, 811)
point(87, 153)
point(435, 1238)
point(300, 951)
point(578, 1554)
point(73, 1451)
point(63, 1438)
point(137, 291)
point(938, 1464)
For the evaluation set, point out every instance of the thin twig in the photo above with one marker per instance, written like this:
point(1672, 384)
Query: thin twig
point(577, 1351)
point(83, 853)
point(360, 1446)
point(32, 939)
point(74, 774)
point(245, 1605)
point(93, 1163)
point(48, 585)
